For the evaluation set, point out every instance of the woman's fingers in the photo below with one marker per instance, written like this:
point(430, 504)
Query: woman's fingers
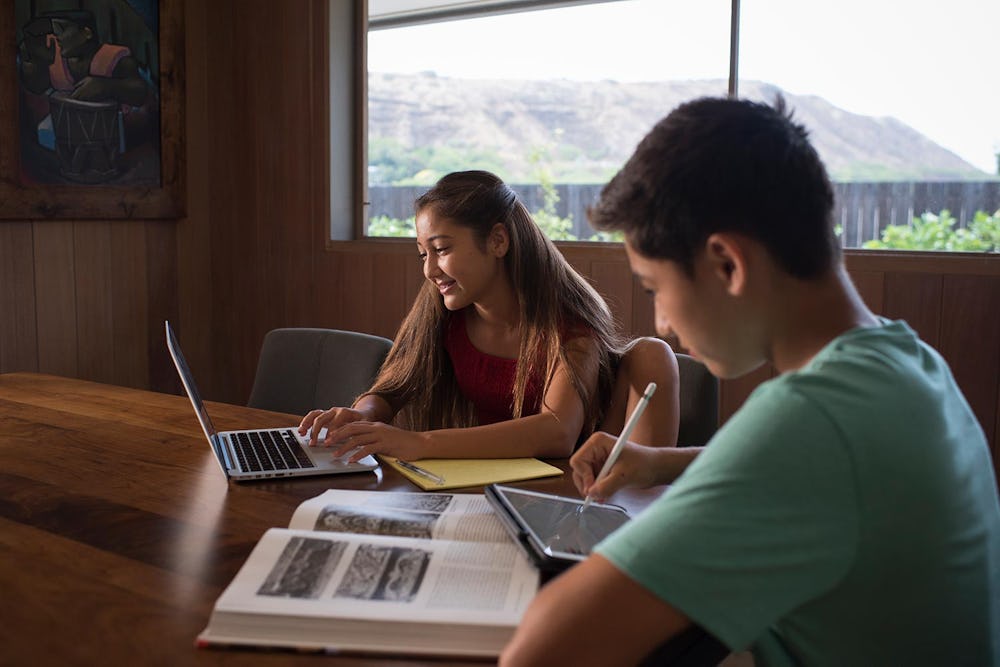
point(360, 438)
point(350, 436)
point(332, 419)
point(308, 420)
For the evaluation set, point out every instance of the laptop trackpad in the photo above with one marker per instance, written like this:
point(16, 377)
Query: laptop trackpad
point(323, 456)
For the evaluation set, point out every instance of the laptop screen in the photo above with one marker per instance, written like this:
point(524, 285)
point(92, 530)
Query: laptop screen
point(188, 380)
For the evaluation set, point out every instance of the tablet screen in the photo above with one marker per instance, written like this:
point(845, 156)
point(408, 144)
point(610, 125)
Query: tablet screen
point(556, 524)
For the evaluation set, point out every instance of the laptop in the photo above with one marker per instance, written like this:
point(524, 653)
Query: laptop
point(260, 454)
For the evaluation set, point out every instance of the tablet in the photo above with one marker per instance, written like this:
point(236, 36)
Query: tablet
point(552, 530)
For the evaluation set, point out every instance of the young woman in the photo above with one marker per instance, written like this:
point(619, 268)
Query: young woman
point(506, 352)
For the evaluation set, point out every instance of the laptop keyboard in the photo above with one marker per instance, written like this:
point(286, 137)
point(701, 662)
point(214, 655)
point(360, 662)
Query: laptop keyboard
point(269, 450)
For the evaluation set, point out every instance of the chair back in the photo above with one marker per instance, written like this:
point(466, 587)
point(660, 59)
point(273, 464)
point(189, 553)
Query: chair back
point(699, 399)
point(301, 369)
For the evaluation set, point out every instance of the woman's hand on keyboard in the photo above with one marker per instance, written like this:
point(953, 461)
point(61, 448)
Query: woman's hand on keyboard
point(332, 419)
point(358, 439)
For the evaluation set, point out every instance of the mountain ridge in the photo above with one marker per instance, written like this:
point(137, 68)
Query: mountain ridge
point(583, 131)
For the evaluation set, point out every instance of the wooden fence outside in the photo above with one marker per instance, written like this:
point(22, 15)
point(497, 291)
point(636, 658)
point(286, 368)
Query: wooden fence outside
point(862, 209)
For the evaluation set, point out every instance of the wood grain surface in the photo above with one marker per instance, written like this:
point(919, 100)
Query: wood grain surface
point(118, 530)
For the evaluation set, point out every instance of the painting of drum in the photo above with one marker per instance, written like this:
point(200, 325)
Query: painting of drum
point(88, 75)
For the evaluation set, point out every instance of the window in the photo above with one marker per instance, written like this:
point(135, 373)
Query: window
point(554, 100)
point(896, 99)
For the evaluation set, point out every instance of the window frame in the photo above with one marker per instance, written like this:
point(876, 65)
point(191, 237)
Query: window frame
point(351, 228)
point(341, 230)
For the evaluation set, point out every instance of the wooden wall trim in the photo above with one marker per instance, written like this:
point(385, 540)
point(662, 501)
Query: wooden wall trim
point(901, 261)
point(987, 264)
point(908, 286)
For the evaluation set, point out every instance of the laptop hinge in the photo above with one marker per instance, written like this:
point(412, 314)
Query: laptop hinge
point(222, 452)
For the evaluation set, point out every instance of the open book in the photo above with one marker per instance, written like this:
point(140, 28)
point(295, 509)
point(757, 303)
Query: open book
point(382, 572)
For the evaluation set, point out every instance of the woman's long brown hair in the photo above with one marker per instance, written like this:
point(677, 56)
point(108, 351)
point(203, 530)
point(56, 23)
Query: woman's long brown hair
point(417, 378)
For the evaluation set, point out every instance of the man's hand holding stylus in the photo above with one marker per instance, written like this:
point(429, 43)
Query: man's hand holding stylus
point(634, 467)
point(638, 466)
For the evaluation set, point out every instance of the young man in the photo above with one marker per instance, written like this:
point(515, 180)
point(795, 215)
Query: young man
point(847, 514)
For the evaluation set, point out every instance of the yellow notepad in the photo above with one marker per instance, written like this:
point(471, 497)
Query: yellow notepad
point(473, 472)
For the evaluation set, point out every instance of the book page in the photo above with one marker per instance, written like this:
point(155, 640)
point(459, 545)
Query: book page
point(373, 577)
point(442, 516)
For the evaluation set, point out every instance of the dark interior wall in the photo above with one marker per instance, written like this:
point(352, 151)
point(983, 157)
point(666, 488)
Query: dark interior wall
point(256, 149)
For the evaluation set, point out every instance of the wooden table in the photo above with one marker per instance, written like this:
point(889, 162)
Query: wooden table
point(118, 530)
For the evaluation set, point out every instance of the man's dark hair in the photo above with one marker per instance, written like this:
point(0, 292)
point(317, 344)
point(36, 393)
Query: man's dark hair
point(717, 164)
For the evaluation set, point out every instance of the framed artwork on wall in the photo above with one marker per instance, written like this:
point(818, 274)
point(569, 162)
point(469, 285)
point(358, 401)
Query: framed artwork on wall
point(91, 109)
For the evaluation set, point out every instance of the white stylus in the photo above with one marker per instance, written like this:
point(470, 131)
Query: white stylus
point(622, 439)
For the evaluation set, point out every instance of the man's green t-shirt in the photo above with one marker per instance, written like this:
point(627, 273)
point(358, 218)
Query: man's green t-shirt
point(847, 514)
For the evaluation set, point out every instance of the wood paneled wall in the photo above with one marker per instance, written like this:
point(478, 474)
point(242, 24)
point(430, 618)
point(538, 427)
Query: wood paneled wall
point(87, 298)
point(952, 301)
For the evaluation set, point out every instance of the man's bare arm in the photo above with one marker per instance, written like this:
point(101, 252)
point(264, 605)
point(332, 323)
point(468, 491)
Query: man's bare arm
point(592, 615)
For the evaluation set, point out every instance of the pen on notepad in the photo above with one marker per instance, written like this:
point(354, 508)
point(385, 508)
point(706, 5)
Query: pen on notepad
point(622, 439)
point(437, 479)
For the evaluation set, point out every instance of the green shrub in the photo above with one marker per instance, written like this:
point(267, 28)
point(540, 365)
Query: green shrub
point(987, 228)
point(608, 237)
point(937, 232)
point(383, 225)
point(553, 226)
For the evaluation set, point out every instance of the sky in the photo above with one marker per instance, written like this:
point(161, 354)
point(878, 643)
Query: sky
point(932, 65)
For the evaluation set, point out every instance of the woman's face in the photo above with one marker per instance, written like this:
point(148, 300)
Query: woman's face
point(463, 271)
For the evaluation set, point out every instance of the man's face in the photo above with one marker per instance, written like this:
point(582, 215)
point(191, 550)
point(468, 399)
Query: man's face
point(71, 37)
point(699, 311)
